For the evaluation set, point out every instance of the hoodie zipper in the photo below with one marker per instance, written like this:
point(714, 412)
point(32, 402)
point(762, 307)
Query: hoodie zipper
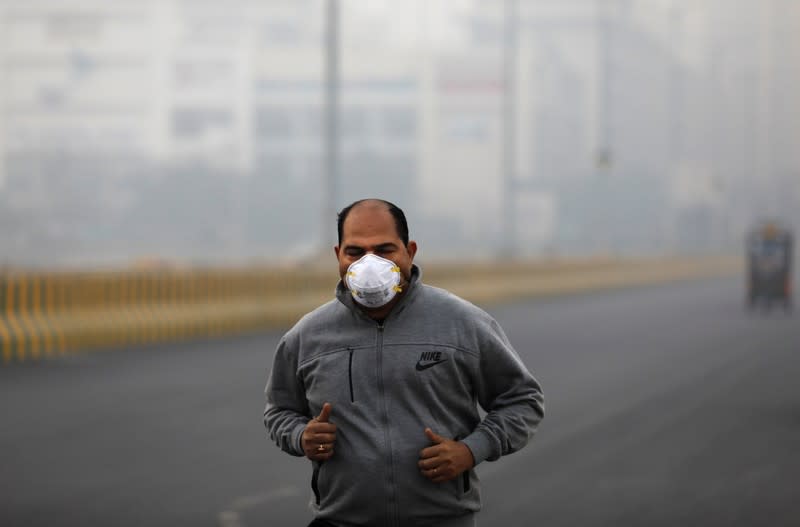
point(392, 501)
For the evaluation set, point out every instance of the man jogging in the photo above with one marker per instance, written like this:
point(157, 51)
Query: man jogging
point(380, 388)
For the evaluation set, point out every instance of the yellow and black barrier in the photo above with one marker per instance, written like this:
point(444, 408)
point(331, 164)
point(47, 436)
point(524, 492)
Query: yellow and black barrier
point(46, 314)
point(49, 314)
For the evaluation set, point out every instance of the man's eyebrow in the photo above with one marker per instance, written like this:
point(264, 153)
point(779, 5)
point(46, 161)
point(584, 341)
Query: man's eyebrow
point(350, 247)
point(387, 245)
point(379, 247)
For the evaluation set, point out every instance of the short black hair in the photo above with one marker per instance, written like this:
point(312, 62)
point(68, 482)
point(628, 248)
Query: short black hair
point(397, 213)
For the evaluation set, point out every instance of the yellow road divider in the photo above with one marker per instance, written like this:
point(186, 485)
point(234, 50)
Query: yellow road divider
point(49, 314)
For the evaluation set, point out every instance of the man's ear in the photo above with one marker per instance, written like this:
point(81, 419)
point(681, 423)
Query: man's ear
point(412, 249)
point(336, 251)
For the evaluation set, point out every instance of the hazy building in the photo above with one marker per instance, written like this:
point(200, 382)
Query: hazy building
point(193, 130)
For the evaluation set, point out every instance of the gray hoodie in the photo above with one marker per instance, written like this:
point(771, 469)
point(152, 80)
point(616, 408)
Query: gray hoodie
point(425, 366)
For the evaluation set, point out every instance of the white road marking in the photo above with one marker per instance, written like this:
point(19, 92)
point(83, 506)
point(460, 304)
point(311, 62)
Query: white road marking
point(232, 516)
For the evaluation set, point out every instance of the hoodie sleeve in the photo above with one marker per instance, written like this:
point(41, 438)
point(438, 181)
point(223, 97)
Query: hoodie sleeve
point(286, 413)
point(509, 394)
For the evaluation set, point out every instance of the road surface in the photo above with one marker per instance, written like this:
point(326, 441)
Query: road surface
point(666, 405)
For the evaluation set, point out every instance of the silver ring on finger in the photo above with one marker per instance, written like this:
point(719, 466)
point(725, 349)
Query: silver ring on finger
point(322, 448)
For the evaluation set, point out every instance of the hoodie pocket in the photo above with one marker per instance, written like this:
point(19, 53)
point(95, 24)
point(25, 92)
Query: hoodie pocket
point(331, 377)
point(464, 485)
point(350, 374)
point(315, 483)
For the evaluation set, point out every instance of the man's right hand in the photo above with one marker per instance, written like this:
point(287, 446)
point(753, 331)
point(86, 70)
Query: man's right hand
point(319, 436)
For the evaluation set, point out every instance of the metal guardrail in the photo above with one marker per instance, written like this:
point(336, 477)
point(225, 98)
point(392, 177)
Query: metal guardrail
point(48, 314)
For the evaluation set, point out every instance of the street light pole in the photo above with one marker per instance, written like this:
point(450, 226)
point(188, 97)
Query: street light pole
point(510, 49)
point(331, 121)
point(604, 154)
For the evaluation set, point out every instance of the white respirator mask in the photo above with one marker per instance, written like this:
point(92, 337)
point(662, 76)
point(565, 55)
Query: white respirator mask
point(373, 281)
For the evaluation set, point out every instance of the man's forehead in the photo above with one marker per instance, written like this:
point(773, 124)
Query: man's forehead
point(369, 221)
point(369, 208)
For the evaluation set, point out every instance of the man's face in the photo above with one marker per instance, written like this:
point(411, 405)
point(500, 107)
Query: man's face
point(370, 228)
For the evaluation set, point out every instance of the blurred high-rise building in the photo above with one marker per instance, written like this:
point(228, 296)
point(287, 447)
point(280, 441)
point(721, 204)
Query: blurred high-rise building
point(196, 130)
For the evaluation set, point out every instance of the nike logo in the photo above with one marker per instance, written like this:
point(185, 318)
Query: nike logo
point(423, 367)
point(429, 359)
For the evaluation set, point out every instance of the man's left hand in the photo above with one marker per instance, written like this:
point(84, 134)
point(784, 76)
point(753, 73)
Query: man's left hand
point(446, 459)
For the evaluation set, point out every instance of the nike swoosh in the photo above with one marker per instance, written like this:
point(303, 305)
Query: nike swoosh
point(423, 367)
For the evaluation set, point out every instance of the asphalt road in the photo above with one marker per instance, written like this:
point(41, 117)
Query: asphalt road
point(667, 405)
